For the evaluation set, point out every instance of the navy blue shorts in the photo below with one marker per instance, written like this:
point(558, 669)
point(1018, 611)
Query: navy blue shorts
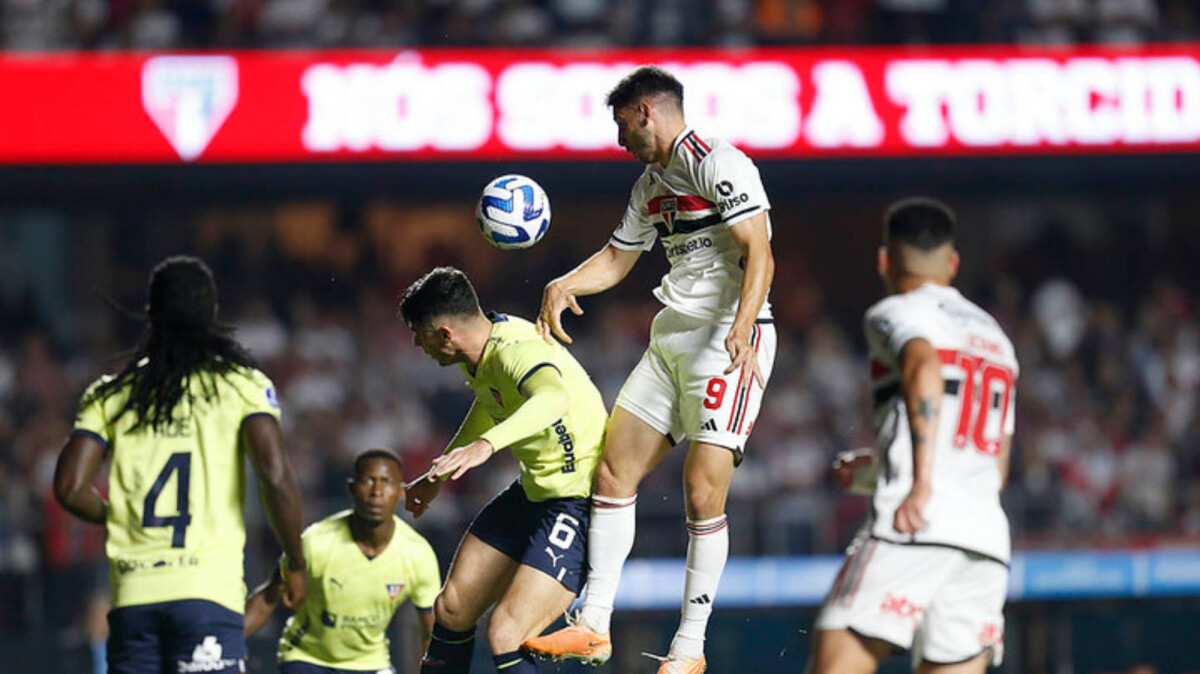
point(309, 668)
point(550, 536)
point(175, 637)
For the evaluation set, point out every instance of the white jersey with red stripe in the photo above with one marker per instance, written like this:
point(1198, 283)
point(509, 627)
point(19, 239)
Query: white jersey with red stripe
point(707, 186)
point(979, 368)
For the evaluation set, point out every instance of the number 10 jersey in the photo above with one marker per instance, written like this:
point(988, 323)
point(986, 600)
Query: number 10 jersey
point(979, 370)
point(175, 524)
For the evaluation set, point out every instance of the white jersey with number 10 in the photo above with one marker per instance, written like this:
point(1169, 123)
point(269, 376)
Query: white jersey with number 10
point(979, 368)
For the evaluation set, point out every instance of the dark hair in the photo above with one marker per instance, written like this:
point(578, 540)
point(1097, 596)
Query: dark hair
point(445, 291)
point(643, 82)
point(369, 454)
point(920, 222)
point(182, 338)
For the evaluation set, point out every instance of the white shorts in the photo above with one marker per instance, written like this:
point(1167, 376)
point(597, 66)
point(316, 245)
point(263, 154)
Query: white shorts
point(680, 387)
point(944, 604)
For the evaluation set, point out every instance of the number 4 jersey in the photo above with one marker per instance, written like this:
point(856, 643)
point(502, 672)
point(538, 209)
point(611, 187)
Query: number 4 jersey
point(175, 524)
point(979, 370)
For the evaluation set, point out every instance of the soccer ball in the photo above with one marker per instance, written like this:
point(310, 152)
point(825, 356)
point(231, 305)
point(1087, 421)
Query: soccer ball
point(513, 212)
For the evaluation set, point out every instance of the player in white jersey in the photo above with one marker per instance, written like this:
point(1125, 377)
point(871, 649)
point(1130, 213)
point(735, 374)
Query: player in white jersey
point(928, 570)
point(710, 354)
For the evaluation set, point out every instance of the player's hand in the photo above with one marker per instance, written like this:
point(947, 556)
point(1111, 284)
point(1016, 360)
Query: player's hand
point(457, 462)
point(420, 494)
point(742, 355)
point(847, 464)
point(295, 588)
point(554, 300)
point(910, 517)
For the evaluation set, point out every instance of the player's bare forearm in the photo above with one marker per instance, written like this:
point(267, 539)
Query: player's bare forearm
point(1005, 456)
point(78, 464)
point(261, 604)
point(751, 236)
point(277, 484)
point(425, 628)
point(604, 269)
point(922, 386)
point(598, 273)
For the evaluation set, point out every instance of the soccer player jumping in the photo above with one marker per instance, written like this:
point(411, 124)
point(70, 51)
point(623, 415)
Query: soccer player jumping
point(711, 352)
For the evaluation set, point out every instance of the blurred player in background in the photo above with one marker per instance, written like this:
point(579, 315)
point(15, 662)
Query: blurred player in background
point(174, 424)
point(928, 571)
point(711, 351)
point(363, 564)
point(525, 551)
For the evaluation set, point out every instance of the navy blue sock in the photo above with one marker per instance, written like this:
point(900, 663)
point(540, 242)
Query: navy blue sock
point(449, 651)
point(516, 662)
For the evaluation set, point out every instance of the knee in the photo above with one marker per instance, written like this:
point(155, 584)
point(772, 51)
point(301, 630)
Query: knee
point(505, 634)
point(703, 500)
point(608, 481)
point(449, 612)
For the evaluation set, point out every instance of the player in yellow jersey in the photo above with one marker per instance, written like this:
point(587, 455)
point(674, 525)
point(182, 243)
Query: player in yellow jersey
point(175, 425)
point(363, 564)
point(524, 553)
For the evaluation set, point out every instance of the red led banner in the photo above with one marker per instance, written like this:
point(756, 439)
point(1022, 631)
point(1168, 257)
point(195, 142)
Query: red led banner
point(284, 106)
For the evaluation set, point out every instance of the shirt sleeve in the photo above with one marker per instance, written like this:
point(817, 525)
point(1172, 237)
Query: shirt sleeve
point(891, 324)
point(258, 392)
point(92, 419)
point(729, 179)
point(427, 579)
point(547, 401)
point(475, 423)
point(636, 231)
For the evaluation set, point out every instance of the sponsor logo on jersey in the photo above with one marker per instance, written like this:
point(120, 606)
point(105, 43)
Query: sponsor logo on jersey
point(208, 657)
point(394, 590)
point(272, 397)
point(689, 246)
point(126, 566)
point(991, 634)
point(568, 446)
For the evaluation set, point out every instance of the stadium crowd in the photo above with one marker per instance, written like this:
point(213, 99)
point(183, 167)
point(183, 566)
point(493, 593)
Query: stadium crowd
point(227, 24)
point(1107, 450)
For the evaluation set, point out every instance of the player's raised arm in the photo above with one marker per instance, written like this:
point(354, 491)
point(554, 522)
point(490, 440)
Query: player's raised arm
point(603, 270)
point(921, 385)
point(281, 499)
point(752, 237)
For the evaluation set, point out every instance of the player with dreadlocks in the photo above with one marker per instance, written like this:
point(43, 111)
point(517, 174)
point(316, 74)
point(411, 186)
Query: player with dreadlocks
point(174, 424)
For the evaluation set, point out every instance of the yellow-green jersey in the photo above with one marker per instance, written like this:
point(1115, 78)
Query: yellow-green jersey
point(175, 524)
point(352, 597)
point(558, 460)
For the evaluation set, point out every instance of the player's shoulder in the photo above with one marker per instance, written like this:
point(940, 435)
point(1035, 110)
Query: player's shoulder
point(332, 526)
point(710, 150)
point(89, 393)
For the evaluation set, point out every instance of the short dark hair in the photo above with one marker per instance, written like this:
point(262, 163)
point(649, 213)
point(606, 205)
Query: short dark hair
point(445, 291)
point(920, 222)
point(643, 82)
point(370, 454)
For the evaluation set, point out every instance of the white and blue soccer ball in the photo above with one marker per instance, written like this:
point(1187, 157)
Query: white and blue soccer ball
point(513, 212)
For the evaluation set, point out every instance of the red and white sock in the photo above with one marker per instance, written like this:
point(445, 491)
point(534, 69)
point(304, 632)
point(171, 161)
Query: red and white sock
point(708, 549)
point(610, 539)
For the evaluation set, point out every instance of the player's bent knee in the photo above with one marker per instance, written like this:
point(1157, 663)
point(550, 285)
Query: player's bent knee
point(450, 613)
point(608, 482)
point(703, 501)
point(505, 633)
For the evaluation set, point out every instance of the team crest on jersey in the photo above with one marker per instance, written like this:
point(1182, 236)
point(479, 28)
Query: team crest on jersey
point(668, 208)
point(189, 98)
point(496, 395)
point(394, 590)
